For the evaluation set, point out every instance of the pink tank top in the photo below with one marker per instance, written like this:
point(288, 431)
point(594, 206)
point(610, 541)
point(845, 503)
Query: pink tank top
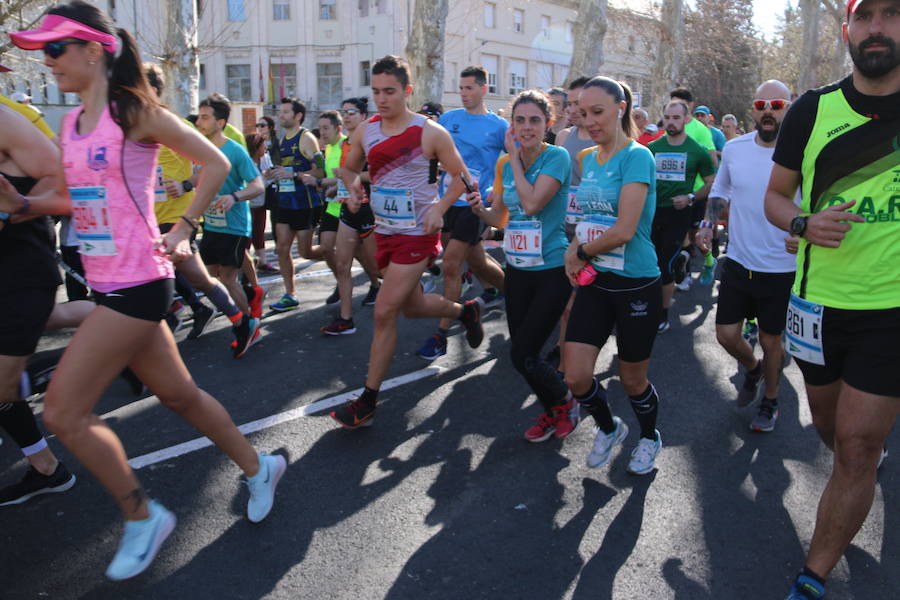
point(401, 193)
point(111, 181)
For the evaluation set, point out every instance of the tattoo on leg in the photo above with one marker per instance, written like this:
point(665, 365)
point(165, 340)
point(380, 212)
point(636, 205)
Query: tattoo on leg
point(137, 497)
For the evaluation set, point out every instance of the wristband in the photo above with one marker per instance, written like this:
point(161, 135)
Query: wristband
point(190, 222)
point(582, 255)
point(706, 225)
point(235, 198)
point(26, 205)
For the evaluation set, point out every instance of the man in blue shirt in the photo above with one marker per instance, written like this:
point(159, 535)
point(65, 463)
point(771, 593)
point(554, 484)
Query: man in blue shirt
point(226, 223)
point(478, 135)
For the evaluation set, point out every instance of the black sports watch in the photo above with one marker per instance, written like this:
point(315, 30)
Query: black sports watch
point(582, 255)
point(187, 186)
point(798, 225)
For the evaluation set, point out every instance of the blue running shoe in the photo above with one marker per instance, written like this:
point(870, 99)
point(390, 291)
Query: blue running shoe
point(286, 303)
point(806, 588)
point(708, 275)
point(492, 298)
point(434, 347)
point(141, 542)
point(262, 486)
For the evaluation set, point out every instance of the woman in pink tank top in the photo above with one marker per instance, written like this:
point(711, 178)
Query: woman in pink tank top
point(110, 144)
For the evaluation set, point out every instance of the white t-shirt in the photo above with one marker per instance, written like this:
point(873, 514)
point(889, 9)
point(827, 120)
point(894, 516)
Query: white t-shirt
point(742, 180)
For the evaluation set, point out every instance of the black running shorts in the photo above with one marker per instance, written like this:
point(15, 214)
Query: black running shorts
point(299, 220)
point(363, 220)
point(630, 305)
point(148, 302)
point(24, 316)
point(861, 347)
point(745, 294)
point(668, 231)
point(463, 225)
point(223, 249)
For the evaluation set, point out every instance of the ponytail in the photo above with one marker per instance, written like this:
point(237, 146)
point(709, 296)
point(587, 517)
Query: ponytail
point(129, 90)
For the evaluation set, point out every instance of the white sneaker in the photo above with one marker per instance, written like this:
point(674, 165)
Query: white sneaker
point(605, 442)
point(262, 486)
point(884, 455)
point(643, 457)
point(140, 542)
point(684, 286)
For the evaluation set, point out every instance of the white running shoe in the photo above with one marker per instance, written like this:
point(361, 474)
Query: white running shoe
point(605, 442)
point(643, 457)
point(141, 542)
point(262, 486)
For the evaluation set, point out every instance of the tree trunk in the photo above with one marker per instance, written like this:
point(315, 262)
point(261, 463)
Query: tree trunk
point(588, 33)
point(810, 11)
point(667, 69)
point(425, 51)
point(181, 66)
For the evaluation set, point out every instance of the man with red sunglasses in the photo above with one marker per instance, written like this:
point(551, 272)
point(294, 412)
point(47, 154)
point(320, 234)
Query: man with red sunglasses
point(839, 145)
point(758, 272)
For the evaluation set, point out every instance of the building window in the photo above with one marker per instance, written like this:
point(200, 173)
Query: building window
point(364, 8)
point(202, 77)
point(236, 10)
point(329, 84)
point(490, 14)
point(570, 32)
point(450, 74)
point(283, 78)
point(365, 73)
point(545, 26)
point(544, 76)
point(519, 20)
point(239, 82)
point(490, 64)
point(381, 6)
point(281, 10)
point(327, 10)
point(517, 72)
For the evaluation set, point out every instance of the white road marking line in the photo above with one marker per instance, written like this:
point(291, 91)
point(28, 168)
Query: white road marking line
point(321, 273)
point(277, 419)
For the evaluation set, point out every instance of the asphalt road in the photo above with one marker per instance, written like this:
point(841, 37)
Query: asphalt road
point(443, 498)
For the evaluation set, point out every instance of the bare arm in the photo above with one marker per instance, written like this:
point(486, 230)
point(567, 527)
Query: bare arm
point(37, 157)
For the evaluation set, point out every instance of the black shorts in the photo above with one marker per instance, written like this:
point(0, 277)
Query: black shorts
point(861, 347)
point(148, 302)
point(329, 222)
point(363, 221)
point(299, 220)
point(23, 316)
point(632, 305)
point(463, 225)
point(747, 294)
point(668, 231)
point(698, 212)
point(167, 227)
point(223, 249)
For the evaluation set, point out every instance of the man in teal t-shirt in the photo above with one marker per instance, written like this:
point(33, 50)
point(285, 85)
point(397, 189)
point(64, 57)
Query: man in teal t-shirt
point(679, 161)
point(226, 223)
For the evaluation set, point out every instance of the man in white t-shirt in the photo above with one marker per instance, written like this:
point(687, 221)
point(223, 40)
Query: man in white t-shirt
point(758, 273)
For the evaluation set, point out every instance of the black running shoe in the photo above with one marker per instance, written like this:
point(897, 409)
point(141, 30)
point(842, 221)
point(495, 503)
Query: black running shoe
point(35, 483)
point(679, 266)
point(242, 335)
point(370, 298)
point(334, 298)
point(471, 320)
point(354, 414)
point(203, 316)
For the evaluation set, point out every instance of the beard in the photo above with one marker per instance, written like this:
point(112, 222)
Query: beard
point(874, 65)
point(768, 135)
point(672, 130)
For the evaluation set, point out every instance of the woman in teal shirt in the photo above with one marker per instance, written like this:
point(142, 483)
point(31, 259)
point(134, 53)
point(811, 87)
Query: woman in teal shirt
point(529, 198)
point(612, 260)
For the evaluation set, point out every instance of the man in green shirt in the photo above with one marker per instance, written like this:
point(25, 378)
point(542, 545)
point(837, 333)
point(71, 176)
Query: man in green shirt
point(700, 133)
point(679, 161)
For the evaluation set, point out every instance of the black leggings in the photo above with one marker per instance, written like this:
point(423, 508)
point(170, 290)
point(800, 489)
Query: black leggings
point(535, 301)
